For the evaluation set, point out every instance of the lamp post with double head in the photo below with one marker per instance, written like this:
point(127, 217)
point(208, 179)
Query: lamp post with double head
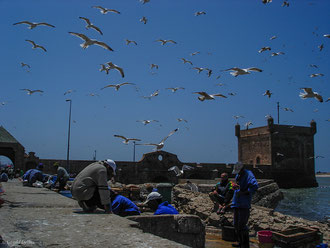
point(68, 151)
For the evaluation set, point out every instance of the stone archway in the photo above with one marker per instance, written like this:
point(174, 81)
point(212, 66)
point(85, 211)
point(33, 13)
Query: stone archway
point(11, 148)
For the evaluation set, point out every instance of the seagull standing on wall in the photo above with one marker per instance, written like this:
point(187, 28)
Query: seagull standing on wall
point(88, 42)
point(160, 145)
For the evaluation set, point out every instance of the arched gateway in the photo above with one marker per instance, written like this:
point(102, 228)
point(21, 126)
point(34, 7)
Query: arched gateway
point(11, 148)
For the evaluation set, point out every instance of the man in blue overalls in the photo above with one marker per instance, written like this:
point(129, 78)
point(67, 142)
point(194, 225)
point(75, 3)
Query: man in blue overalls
point(246, 186)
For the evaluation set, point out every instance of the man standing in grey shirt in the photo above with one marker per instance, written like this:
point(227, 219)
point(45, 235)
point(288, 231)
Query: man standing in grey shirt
point(90, 187)
point(62, 176)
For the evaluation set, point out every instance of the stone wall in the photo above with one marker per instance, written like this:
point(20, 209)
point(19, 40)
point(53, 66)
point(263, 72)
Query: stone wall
point(185, 229)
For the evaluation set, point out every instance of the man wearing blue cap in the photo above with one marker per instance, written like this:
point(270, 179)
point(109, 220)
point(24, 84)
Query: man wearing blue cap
point(245, 188)
point(90, 187)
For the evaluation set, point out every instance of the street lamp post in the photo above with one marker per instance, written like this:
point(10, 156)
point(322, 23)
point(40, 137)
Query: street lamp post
point(134, 151)
point(68, 151)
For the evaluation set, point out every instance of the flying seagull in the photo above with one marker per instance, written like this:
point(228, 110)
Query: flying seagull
point(116, 86)
point(154, 66)
point(36, 45)
point(287, 109)
point(68, 92)
point(104, 68)
point(160, 145)
point(105, 10)
point(273, 37)
point(309, 93)
point(166, 41)
point(200, 13)
point(238, 71)
point(180, 119)
point(326, 35)
point(316, 75)
point(145, 122)
point(33, 25)
point(238, 116)
point(130, 41)
point(264, 49)
point(175, 89)
point(144, 20)
point(285, 3)
point(30, 92)
point(91, 25)
point(276, 54)
point(186, 61)
point(268, 93)
point(321, 47)
point(144, 1)
point(126, 140)
point(199, 69)
point(194, 53)
point(88, 42)
point(112, 66)
point(23, 64)
point(205, 96)
point(315, 66)
point(179, 172)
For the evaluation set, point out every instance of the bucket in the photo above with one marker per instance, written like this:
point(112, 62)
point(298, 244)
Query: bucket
point(265, 236)
point(228, 233)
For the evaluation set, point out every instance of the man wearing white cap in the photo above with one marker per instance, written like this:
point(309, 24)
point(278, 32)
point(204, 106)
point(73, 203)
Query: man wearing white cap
point(154, 201)
point(246, 186)
point(90, 187)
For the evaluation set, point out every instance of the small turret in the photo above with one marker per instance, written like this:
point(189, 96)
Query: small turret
point(313, 127)
point(237, 130)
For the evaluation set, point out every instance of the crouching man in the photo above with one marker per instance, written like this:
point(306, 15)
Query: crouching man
point(90, 187)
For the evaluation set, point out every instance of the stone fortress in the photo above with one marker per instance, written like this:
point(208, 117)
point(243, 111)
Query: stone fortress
point(284, 153)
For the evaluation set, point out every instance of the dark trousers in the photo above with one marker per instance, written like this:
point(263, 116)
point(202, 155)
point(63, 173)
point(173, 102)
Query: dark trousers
point(241, 218)
point(95, 200)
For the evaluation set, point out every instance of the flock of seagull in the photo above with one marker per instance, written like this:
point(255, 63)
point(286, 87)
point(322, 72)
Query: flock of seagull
point(203, 96)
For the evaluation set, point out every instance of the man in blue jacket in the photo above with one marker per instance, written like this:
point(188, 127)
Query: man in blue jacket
point(154, 201)
point(245, 188)
point(123, 206)
point(31, 176)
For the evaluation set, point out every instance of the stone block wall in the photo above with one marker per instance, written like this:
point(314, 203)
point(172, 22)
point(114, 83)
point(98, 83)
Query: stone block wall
point(185, 229)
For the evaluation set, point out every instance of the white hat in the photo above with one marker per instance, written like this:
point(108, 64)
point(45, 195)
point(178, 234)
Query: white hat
point(112, 164)
point(237, 168)
point(153, 196)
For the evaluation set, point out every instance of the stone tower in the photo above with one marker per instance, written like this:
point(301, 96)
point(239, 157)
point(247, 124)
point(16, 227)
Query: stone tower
point(287, 150)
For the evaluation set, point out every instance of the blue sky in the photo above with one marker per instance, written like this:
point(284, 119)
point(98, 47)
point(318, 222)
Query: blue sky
point(230, 34)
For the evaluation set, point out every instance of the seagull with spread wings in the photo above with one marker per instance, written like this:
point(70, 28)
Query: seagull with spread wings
point(130, 41)
point(160, 145)
point(91, 25)
point(276, 54)
point(180, 119)
point(105, 10)
point(235, 71)
point(104, 68)
point(36, 45)
point(145, 122)
point(200, 13)
point(88, 42)
point(316, 75)
point(205, 96)
point(33, 25)
point(126, 140)
point(268, 93)
point(264, 49)
point(30, 92)
point(175, 89)
point(144, 20)
point(288, 109)
point(154, 66)
point(309, 93)
point(186, 61)
point(68, 92)
point(199, 69)
point(238, 116)
point(179, 172)
point(326, 35)
point(117, 86)
point(144, 1)
point(112, 66)
point(166, 41)
point(23, 64)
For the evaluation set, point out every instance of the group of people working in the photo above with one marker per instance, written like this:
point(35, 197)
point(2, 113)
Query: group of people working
point(90, 188)
point(237, 196)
